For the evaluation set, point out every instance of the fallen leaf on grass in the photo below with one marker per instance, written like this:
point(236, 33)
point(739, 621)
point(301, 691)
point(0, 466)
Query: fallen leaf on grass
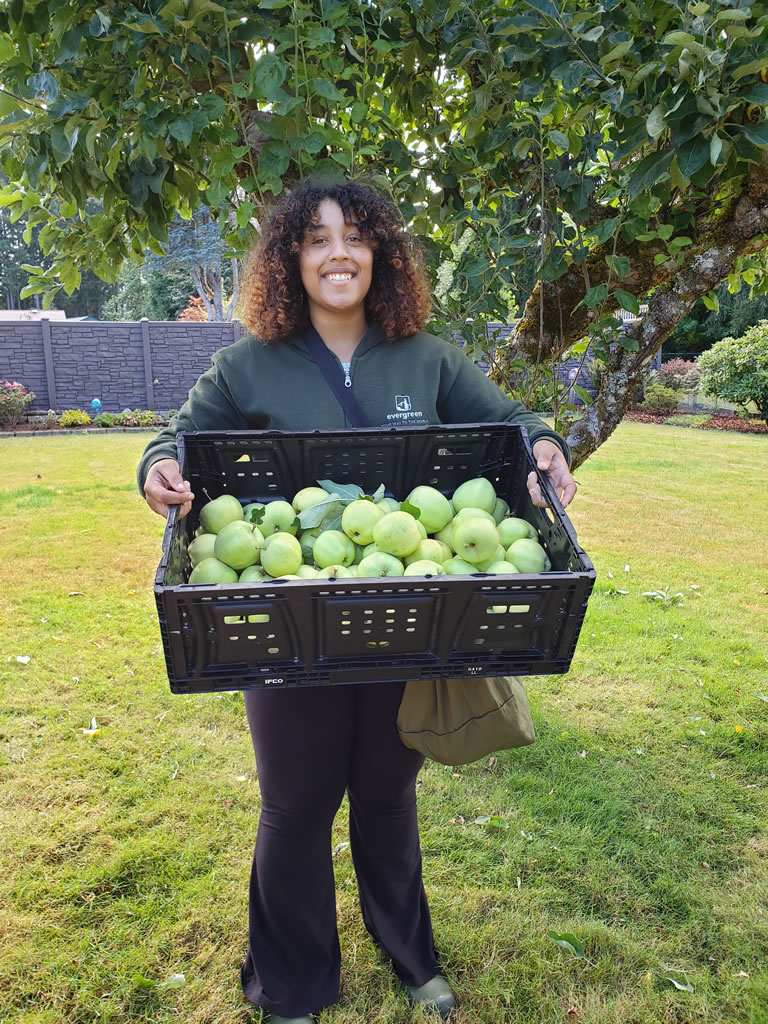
point(23, 659)
point(492, 820)
point(741, 974)
point(79, 593)
point(568, 942)
point(687, 987)
point(175, 981)
point(339, 848)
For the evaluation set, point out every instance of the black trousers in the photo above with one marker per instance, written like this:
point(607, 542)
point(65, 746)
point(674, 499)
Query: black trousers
point(311, 745)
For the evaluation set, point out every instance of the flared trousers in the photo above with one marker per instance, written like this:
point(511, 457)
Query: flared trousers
point(312, 744)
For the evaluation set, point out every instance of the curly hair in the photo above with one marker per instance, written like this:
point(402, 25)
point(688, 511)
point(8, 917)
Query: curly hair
point(274, 303)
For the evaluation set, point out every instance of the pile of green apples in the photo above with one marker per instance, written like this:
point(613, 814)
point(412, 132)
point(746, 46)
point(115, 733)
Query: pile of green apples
point(336, 531)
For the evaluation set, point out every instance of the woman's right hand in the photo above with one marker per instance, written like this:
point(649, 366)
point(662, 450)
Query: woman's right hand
point(164, 487)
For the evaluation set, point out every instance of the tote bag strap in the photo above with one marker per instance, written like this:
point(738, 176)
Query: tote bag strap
point(323, 357)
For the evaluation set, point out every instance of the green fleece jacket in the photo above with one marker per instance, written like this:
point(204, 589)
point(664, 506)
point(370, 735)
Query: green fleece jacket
point(408, 382)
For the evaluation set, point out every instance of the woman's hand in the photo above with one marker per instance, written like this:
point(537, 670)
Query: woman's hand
point(164, 487)
point(550, 459)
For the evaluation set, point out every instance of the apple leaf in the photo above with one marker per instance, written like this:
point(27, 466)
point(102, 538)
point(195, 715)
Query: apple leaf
point(492, 820)
point(569, 942)
point(378, 494)
point(315, 514)
point(412, 510)
point(347, 492)
point(174, 981)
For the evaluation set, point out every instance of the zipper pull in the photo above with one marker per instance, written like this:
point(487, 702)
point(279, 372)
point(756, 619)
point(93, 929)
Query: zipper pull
point(347, 379)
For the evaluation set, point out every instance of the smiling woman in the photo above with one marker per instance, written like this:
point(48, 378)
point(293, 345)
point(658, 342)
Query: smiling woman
point(335, 261)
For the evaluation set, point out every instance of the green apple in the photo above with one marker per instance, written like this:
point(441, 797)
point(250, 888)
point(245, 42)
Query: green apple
point(332, 547)
point(500, 509)
point(470, 512)
point(217, 513)
point(307, 497)
point(253, 574)
point(359, 554)
point(422, 529)
point(498, 556)
point(211, 570)
point(238, 544)
point(282, 554)
point(336, 572)
point(458, 567)
point(434, 507)
point(201, 547)
point(369, 549)
point(477, 493)
point(446, 535)
point(306, 572)
point(279, 517)
point(424, 567)
point(388, 505)
point(358, 520)
point(254, 512)
point(501, 568)
point(512, 529)
point(431, 549)
point(380, 564)
point(528, 555)
point(397, 533)
point(475, 540)
point(307, 540)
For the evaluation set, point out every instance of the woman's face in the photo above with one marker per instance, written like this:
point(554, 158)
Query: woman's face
point(335, 262)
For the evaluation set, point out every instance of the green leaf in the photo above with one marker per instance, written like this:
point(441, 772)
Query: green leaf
point(348, 492)
point(323, 87)
point(569, 942)
point(181, 129)
point(315, 514)
point(560, 139)
point(692, 155)
point(62, 144)
point(753, 68)
point(267, 75)
point(617, 52)
point(605, 229)
point(595, 295)
point(583, 394)
point(45, 86)
point(406, 506)
point(757, 133)
point(659, 258)
point(648, 171)
point(212, 105)
point(627, 301)
point(711, 301)
point(655, 123)
point(274, 159)
point(619, 265)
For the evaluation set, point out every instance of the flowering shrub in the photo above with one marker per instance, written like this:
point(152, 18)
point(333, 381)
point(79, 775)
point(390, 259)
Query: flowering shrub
point(138, 418)
point(105, 419)
point(14, 399)
point(671, 373)
point(74, 418)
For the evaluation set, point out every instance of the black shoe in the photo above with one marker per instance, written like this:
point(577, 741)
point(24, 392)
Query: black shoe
point(273, 1018)
point(435, 995)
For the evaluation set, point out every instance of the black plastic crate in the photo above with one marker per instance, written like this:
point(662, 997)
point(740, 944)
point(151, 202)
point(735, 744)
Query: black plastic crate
point(318, 631)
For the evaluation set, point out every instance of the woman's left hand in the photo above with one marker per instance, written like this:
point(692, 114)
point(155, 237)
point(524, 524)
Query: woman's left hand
point(550, 460)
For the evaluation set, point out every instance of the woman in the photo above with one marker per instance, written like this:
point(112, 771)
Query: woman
point(335, 257)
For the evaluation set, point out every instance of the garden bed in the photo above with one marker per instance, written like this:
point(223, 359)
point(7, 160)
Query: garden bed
point(752, 425)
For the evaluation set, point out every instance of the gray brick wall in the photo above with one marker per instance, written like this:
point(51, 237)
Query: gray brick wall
point(106, 360)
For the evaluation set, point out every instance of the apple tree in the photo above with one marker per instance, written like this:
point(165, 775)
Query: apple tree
point(583, 156)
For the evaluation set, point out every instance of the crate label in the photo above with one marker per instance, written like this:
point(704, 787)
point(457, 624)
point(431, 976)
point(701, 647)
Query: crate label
point(476, 670)
point(273, 682)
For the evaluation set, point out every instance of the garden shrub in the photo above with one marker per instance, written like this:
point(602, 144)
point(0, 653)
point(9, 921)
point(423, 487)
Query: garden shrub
point(672, 373)
point(138, 418)
point(660, 399)
point(14, 399)
point(74, 418)
point(736, 369)
point(106, 419)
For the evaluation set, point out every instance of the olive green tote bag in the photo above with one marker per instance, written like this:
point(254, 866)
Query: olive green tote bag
point(457, 721)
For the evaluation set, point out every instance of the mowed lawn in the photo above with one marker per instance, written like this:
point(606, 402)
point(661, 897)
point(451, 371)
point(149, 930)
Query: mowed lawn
point(636, 823)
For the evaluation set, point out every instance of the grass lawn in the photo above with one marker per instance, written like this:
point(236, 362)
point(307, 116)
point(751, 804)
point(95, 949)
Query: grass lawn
point(637, 822)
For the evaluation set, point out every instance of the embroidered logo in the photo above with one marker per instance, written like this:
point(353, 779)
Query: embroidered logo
point(403, 403)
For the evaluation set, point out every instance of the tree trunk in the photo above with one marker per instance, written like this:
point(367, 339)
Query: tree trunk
point(235, 289)
point(201, 292)
point(726, 235)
